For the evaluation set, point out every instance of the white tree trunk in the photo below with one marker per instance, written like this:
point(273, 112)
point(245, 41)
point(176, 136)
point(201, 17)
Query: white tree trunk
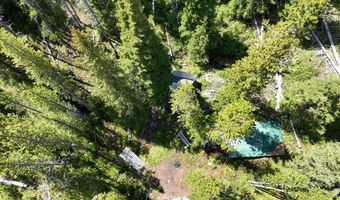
point(278, 87)
point(295, 135)
point(10, 182)
point(259, 30)
point(171, 53)
point(331, 61)
point(336, 55)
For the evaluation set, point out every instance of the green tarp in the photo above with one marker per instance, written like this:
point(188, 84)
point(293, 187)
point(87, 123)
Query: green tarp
point(266, 140)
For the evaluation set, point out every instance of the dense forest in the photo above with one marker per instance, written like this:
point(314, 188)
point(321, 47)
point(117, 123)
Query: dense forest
point(80, 80)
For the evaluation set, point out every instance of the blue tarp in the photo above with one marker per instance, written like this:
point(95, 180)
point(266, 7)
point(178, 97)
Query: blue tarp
point(266, 140)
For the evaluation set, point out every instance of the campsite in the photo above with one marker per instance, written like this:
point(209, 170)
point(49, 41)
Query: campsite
point(169, 99)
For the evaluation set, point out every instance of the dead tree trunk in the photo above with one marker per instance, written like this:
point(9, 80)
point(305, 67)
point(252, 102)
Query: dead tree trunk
point(278, 87)
point(336, 55)
point(10, 182)
point(171, 53)
point(295, 135)
point(259, 29)
point(331, 61)
point(7, 26)
point(68, 6)
point(102, 30)
point(153, 8)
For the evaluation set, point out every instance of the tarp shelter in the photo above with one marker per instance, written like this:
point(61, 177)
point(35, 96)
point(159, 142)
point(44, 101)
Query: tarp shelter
point(180, 76)
point(266, 140)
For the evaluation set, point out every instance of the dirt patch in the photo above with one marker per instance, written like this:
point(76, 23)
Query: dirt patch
point(171, 176)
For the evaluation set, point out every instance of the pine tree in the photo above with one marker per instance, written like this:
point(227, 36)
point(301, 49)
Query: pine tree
point(41, 70)
point(196, 29)
point(197, 46)
point(248, 76)
point(108, 81)
point(142, 55)
point(184, 103)
point(236, 120)
point(313, 105)
point(50, 18)
point(248, 9)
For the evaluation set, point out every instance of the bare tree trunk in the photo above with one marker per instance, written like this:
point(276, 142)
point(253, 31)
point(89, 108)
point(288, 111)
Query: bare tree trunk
point(10, 182)
point(72, 12)
point(336, 55)
point(174, 2)
point(93, 15)
point(7, 26)
point(295, 135)
point(259, 30)
point(87, 4)
point(153, 8)
point(45, 41)
point(270, 188)
point(279, 95)
point(331, 61)
point(171, 53)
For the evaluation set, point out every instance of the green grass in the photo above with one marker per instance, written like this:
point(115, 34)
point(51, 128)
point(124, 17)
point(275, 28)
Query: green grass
point(157, 154)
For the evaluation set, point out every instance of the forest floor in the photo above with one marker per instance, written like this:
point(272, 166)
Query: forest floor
point(170, 167)
point(171, 178)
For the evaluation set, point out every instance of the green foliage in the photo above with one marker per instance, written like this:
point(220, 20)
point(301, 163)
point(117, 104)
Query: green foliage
point(303, 15)
point(50, 17)
point(321, 165)
point(197, 46)
point(314, 172)
point(236, 186)
point(202, 187)
point(235, 120)
point(196, 29)
point(247, 9)
point(234, 36)
point(37, 67)
point(185, 104)
point(105, 10)
point(108, 81)
point(13, 12)
point(110, 195)
point(251, 74)
point(54, 113)
point(304, 66)
point(142, 55)
point(157, 154)
point(313, 104)
point(194, 14)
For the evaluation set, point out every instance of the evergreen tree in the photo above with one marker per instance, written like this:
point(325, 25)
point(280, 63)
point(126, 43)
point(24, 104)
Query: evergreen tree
point(251, 74)
point(235, 120)
point(50, 18)
point(108, 81)
point(313, 105)
point(184, 103)
point(142, 55)
point(247, 9)
point(196, 29)
point(43, 71)
point(197, 46)
point(106, 10)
